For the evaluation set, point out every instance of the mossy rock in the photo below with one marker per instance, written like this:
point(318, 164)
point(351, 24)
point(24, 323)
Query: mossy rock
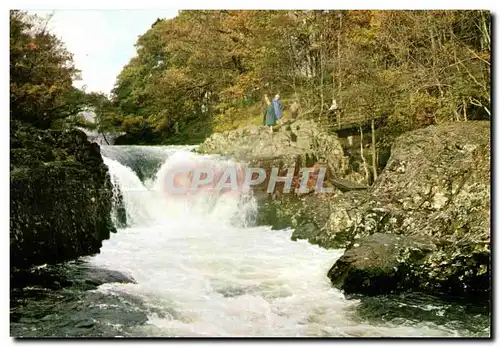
point(61, 197)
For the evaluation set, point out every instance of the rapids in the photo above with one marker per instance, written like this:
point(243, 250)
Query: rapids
point(201, 267)
point(204, 269)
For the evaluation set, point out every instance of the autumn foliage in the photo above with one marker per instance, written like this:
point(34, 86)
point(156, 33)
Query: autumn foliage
point(209, 69)
point(41, 74)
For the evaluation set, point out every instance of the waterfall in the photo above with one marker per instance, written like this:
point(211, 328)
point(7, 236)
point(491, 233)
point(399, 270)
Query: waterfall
point(203, 269)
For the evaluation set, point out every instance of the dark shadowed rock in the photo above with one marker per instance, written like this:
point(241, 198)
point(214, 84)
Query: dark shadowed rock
point(61, 300)
point(379, 263)
point(60, 196)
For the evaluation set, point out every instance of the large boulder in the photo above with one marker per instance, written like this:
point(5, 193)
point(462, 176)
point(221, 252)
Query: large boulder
point(379, 263)
point(60, 196)
point(436, 186)
point(297, 143)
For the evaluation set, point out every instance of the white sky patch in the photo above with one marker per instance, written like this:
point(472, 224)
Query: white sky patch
point(102, 41)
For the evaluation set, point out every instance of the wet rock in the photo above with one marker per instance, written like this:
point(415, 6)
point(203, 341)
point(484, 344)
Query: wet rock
point(60, 196)
point(70, 274)
point(379, 263)
point(298, 144)
point(63, 300)
point(280, 213)
point(75, 313)
point(101, 276)
point(416, 307)
point(86, 323)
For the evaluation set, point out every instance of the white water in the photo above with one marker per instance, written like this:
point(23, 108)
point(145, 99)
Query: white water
point(202, 270)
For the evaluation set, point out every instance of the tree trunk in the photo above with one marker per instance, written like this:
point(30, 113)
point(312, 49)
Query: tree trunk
point(465, 109)
point(374, 151)
point(321, 80)
point(485, 31)
point(105, 139)
point(339, 79)
point(365, 166)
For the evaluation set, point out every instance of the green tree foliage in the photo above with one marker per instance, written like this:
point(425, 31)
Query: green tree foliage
point(206, 70)
point(41, 75)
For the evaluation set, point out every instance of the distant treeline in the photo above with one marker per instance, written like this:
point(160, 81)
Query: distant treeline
point(206, 70)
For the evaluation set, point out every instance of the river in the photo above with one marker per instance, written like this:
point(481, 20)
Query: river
point(203, 268)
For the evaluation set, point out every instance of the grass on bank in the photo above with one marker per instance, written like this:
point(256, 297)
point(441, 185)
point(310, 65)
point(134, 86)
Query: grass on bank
point(243, 117)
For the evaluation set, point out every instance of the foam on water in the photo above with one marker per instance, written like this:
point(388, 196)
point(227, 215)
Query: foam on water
point(203, 270)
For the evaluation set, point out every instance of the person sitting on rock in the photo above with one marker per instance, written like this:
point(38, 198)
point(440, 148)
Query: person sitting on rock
point(278, 108)
point(269, 114)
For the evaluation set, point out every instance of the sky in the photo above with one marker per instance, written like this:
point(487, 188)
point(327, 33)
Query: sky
point(102, 41)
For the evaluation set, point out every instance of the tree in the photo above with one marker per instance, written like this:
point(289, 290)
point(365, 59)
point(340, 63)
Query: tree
point(411, 68)
point(41, 74)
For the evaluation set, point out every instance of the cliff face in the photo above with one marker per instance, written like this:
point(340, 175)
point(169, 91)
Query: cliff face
point(426, 222)
point(60, 196)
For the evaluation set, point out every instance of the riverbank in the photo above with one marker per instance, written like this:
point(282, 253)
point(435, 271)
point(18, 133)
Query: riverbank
point(424, 223)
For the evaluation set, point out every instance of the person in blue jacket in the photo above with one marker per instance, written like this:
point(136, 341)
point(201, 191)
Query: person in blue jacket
point(278, 108)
